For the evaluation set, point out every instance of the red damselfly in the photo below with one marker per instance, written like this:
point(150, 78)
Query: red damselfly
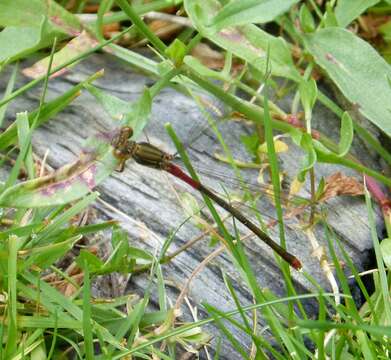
point(149, 155)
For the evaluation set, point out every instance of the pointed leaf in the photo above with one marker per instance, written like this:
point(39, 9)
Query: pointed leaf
point(17, 42)
point(139, 113)
point(248, 42)
point(308, 94)
point(114, 106)
point(307, 21)
point(346, 136)
point(348, 10)
point(242, 12)
point(176, 52)
point(133, 114)
point(30, 12)
point(357, 69)
point(330, 20)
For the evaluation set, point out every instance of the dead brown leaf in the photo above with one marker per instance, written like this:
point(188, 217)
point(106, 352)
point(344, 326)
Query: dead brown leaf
point(165, 30)
point(208, 57)
point(369, 25)
point(338, 185)
point(74, 47)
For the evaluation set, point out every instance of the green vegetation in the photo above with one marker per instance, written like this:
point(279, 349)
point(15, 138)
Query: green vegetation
point(40, 320)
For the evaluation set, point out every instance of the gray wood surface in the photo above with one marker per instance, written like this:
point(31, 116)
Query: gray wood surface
point(149, 198)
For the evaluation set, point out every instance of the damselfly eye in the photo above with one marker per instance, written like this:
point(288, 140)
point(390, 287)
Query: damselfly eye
point(127, 131)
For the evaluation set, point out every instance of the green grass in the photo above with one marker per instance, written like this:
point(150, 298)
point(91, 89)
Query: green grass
point(38, 321)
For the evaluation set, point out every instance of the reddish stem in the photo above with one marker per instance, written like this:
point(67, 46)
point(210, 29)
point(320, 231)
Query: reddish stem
point(378, 194)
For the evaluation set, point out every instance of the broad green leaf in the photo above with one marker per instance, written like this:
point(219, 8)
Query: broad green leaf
point(308, 94)
point(348, 10)
point(346, 136)
point(17, 42)
point(357, 69)
point(247, 42)
point(21, 13)
point(31, 25)
point(385, 247)
point(243, 12)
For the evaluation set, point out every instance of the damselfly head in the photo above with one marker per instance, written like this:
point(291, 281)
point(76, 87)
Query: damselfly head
point(121, 137)
point(126, 132)
point(123, 147)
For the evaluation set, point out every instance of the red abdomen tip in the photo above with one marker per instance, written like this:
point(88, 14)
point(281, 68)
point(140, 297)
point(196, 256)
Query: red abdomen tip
point(296, 264)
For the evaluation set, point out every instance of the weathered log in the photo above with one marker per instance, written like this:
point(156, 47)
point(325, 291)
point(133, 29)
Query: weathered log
point(148, 199)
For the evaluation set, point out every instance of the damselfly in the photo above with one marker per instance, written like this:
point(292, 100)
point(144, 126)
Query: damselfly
point(149, 155)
